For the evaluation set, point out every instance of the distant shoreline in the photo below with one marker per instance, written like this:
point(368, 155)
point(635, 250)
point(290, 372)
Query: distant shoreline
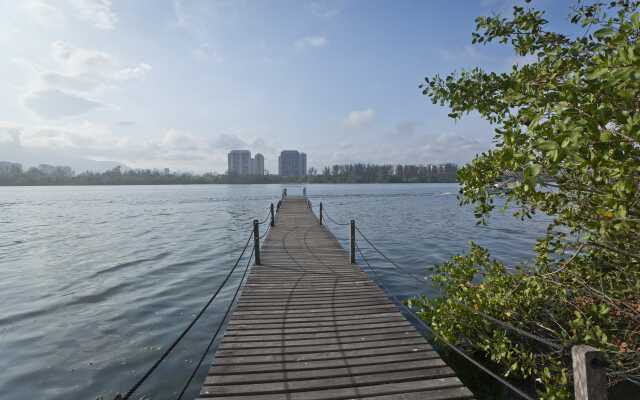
point(13, 174)
point(215, 183)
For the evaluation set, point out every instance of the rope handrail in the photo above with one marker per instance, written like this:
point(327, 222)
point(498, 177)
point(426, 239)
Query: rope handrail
point(496, 321)
point(164, 355)
point(326, 214)
point(453, 347)
point(266, 218)
point(215, 335)
point(265, 233)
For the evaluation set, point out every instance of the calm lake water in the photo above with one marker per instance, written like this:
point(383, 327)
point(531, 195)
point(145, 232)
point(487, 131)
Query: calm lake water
point(97, 281)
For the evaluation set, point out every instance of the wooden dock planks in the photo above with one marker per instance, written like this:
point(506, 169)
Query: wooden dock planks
point(311, 326)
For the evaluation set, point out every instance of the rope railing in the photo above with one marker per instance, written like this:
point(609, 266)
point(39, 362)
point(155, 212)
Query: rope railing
point(494, 320)
point(176, 341)
point(266, 218)
point(266, 232)
point(403, 271)
point(262, 221)
point(270, 217)
point(451, 346)
point(328, 217)
point(217, 332)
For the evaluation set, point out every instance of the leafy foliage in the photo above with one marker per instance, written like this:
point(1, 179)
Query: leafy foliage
point(567, 136)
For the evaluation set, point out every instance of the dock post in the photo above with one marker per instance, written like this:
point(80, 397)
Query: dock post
point(320, 213)
point(256, 241)
point(352, 240)
point(304, 191)
point(273, 219)
point(589, 373)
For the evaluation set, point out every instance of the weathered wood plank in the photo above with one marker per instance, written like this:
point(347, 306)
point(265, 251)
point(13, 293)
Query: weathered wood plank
point(311, 326)
point(261, 342)
point(401, 330)
point(287, 386)
point(324, 373)
point(330, 353)
point(350, 392)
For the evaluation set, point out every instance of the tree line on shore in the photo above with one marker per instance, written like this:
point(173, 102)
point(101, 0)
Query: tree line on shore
point(14, 174)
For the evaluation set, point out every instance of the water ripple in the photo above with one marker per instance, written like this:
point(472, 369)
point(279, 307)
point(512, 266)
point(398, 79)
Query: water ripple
point(128, 264)
point(98, 280)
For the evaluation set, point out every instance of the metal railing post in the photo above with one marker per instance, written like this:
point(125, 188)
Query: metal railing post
point(273, 219)
point(589, 373)
point(320, 213)
point(256, 241)
point(352, 240)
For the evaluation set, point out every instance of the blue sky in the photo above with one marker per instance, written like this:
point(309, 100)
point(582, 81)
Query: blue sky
point(179, 83)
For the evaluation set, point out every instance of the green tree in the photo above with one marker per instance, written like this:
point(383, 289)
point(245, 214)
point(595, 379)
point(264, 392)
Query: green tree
point(567, 131)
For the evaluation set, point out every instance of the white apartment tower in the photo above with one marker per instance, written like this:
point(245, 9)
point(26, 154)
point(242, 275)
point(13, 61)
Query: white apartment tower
point(292, 163)
point(240, 163)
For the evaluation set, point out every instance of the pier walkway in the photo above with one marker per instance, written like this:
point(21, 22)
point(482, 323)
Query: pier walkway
point(309, 325)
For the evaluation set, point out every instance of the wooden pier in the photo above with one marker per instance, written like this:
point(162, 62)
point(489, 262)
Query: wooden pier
point(309, 325)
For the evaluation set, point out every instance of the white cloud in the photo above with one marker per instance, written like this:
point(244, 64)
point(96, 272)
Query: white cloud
point(86, 140)
point(75, 83)
point(5, 137)
point(229, 142)
point(175, 140)
point(77, 60)
point(359, 119)
point(311, 41)
point(54, 103)
point(84, 136)
point(419, 149)
point(326, 8)
point(96, 12)
point(81, 76)
point(44, 13)
point(132, 73)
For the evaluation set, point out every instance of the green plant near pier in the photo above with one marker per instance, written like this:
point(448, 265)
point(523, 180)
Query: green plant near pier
point(567, 134)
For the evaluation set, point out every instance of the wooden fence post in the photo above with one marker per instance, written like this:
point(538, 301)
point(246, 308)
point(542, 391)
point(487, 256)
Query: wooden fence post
point(589, 373)
point(256, 241)
point(273, 218)
point(352, 240)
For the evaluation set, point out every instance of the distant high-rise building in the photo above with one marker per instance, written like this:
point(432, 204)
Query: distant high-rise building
point(257, 163)
point(292, 163)
point(303, 164)
point(241, 163)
